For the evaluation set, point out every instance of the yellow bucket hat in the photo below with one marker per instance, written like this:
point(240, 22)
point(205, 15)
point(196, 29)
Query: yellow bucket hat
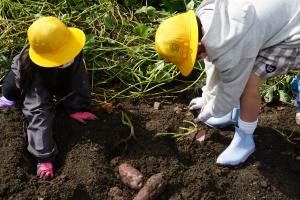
point(176, 39)
point(52, 43)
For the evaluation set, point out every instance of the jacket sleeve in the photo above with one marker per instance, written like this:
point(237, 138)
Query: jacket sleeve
point(16, 63)
point(223, 88)
point(78, 85)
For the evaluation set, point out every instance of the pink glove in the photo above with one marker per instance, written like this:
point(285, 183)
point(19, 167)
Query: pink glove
point(81, 116)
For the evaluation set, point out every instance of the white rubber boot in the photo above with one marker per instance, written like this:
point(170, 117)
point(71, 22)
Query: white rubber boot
point(227, 120)
point(240, 148)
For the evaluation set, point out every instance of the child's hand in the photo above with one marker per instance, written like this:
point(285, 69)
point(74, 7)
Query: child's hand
point(81, 116)
point(197, 103)
point(205, 113)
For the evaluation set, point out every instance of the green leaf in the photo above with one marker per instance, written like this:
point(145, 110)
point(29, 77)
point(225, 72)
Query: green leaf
point(150, 10)
point(269, 94)
point(160, 65)
point(141, 10)
point(38, 15)
point(190, 5)
point(284, 97)
point(89, 44)
point(142, 30)
point(4, 62)
point(108, 21)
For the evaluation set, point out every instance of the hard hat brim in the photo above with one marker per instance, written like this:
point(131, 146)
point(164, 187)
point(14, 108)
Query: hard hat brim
point(67, 52)
point(187, 65)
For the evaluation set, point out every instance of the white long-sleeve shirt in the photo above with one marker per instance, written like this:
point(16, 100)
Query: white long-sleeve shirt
point(234, 32)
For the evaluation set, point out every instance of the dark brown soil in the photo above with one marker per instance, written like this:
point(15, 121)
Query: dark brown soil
point(86, 167)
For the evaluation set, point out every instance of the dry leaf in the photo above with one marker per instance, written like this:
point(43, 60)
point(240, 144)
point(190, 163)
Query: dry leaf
point(200, 136)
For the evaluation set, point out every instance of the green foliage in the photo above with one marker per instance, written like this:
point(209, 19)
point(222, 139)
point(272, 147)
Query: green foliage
point(174, 5)
point(108, 21)
point(291, 137)
point(277, 89)
point(119, 48)
point(149, 10)
point(89, 44)
point(184, 132)
point(142, 30)
point(128, 2)
point(168, 5)
point(4, 62)
point(119, 52)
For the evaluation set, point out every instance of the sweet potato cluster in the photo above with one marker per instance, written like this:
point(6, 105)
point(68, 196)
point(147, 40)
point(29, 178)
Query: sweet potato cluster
point(134, 179)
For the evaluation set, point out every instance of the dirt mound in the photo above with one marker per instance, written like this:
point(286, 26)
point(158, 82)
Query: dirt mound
point(86, 167)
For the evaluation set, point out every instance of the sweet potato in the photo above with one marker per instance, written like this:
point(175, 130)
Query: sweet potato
point(115, 193)
point(131, 176)
point(153, 187)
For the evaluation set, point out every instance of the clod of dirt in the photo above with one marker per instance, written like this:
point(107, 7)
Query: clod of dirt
point(130, 176)
point(153, 187)
point(107, 106)
point(264, 184)
point(156, 105)
point(115, 193)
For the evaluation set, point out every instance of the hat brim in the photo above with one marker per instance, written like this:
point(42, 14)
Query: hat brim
point(67, 52)
point(187, 65)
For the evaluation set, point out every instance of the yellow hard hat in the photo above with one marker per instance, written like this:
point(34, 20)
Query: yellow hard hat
point(176, 40)
point(52, 43)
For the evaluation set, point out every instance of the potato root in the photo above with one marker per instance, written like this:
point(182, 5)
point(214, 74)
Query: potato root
point(153, 187)
point(131, 176)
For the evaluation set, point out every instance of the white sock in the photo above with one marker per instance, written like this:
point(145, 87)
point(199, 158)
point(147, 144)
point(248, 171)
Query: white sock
point(241, 146)
point(247, 127)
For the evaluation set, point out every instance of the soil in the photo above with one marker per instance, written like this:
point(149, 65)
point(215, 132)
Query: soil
point(87, 165)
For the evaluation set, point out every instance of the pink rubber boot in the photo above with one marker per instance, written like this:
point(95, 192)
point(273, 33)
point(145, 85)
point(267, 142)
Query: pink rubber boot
point(45, 170)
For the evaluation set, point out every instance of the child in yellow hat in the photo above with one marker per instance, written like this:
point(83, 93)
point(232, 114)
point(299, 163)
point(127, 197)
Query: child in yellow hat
point(52, 64)
point(242, 43)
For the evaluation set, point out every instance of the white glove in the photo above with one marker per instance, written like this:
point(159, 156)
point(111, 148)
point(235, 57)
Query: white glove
point(205, 113)
point(197, 103)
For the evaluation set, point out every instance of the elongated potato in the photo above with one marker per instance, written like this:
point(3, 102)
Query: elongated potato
point(153, 187)
point(130, 176)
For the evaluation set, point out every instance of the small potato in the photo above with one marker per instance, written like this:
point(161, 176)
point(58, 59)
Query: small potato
point(115, 193)
point(152, 188)
point(131, 176)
